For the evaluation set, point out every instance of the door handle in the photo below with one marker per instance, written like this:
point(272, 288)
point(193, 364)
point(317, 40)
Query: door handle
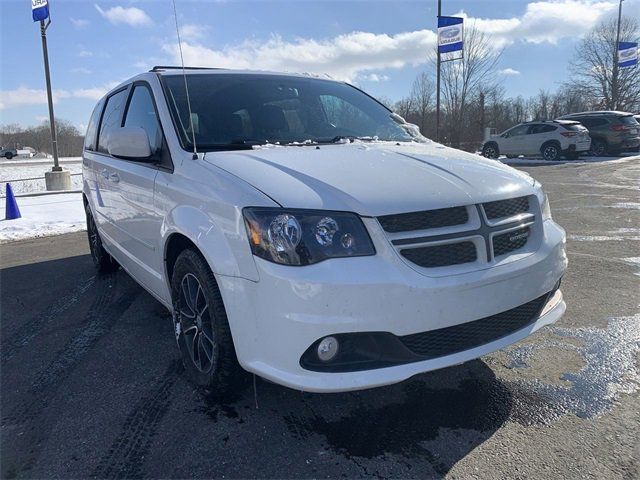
point(104, 173)
point(114, 177)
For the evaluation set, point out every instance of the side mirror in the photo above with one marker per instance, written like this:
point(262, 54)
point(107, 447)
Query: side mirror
point(130, 143)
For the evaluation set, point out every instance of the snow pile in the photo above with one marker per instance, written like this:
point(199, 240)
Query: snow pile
point(44, 215)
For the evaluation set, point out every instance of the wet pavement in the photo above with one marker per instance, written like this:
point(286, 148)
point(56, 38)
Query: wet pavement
point(91, 384)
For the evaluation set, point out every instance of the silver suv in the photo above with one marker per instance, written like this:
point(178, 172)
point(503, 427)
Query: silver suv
point(551, 139)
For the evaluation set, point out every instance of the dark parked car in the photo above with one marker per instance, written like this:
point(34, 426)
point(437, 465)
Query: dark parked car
point(611, 132)
point(8, 153)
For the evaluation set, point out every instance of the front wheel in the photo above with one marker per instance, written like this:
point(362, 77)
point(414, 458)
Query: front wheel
point(490, 151)
point(201, 326)
point(551, 152)
point(101, 259)
point(8, 155)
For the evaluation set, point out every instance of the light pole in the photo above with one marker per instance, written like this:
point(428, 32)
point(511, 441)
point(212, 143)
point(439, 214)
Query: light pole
point(47, 75)
point(56, 179)
point(438, 81)
point(616, 69)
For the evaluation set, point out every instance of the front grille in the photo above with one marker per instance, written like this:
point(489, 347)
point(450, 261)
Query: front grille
point(510, 241)
point(449, 340)
point(506, 208)
point(442, 217)
point(441, 255)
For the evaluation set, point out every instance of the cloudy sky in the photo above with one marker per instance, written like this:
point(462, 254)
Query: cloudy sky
point(378, 45)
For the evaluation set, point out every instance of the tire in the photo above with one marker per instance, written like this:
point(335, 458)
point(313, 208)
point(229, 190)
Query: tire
point(8, 155)
point(201, 326)
point(598, 148)
point(103, 262)
point(490, 150)
point(572, 155)
point(513, 156)
point(550, 152)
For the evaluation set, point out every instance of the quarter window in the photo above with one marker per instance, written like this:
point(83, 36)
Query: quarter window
point(92, 129)
point(111, 118)
point(142, 113)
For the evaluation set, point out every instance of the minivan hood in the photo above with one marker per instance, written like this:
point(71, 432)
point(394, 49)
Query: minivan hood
point(373, 179)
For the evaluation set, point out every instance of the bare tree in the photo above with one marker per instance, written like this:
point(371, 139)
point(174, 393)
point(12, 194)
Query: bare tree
point(594, 72)
point(463, 80)
point(70, 140)
point(422, 99)
point(404, 107)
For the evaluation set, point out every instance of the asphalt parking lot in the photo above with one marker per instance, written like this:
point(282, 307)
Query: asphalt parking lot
point(92, 386)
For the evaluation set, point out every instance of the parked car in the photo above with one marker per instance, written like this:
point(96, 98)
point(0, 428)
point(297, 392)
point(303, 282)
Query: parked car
point(297, 229)
point(551, 139)
point(8, 153)
point(611, 132)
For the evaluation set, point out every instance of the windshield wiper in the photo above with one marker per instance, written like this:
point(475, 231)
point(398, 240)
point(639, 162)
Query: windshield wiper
point(238, 144)
point(342, 138)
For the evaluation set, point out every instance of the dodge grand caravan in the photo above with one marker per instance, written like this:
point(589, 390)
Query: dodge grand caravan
point(298, 229)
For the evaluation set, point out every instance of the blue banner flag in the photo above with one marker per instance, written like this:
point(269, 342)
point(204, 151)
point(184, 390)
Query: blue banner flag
point(627, 54)
point(39, 10)
point(450, 38)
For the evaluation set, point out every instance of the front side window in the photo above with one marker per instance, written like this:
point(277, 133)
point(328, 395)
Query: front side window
point(246, 109)
point(519, 130)
point(141, 112)
point(111, 118)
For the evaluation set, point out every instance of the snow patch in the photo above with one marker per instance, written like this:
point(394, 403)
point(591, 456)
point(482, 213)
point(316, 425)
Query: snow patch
point(43, 216)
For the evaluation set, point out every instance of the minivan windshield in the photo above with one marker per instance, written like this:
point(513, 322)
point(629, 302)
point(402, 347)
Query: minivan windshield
point(230, 110)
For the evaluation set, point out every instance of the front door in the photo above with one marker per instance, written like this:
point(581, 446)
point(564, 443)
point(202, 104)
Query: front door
point(136, 220)
point(513, 141)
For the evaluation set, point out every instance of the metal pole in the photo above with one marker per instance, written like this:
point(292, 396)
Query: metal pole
point(52, 121)
point(438, 80)
point(616, 70)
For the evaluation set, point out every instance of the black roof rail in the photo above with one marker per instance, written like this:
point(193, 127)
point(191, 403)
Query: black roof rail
point(160, 68)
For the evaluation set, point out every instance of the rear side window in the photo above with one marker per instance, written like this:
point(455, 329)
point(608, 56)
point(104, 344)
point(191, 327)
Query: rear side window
point(542, 129)
point(593, 122)
point(111, 118)
point(142, 113)
point(628, 120)
point(92, 129)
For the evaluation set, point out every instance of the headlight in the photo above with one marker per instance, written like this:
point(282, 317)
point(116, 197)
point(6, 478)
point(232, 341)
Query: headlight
point(303, 237)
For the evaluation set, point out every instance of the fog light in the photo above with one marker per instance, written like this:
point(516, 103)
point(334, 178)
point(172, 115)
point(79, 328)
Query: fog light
point(328, 348)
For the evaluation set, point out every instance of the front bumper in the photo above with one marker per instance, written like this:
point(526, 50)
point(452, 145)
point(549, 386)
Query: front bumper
point(275, 320)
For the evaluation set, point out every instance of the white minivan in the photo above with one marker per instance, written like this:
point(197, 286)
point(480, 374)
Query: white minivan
point(298, 229)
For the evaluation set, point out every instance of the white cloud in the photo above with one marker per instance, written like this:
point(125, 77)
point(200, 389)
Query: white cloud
point(132, 16)
point(359, 54)
point(82, 70)
point(509, 71)
point(85, 53)
point(374, 77)
point(342, 57)
point(546, 21)
point(24, 96)
point(79, 23)
point(192, 31)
